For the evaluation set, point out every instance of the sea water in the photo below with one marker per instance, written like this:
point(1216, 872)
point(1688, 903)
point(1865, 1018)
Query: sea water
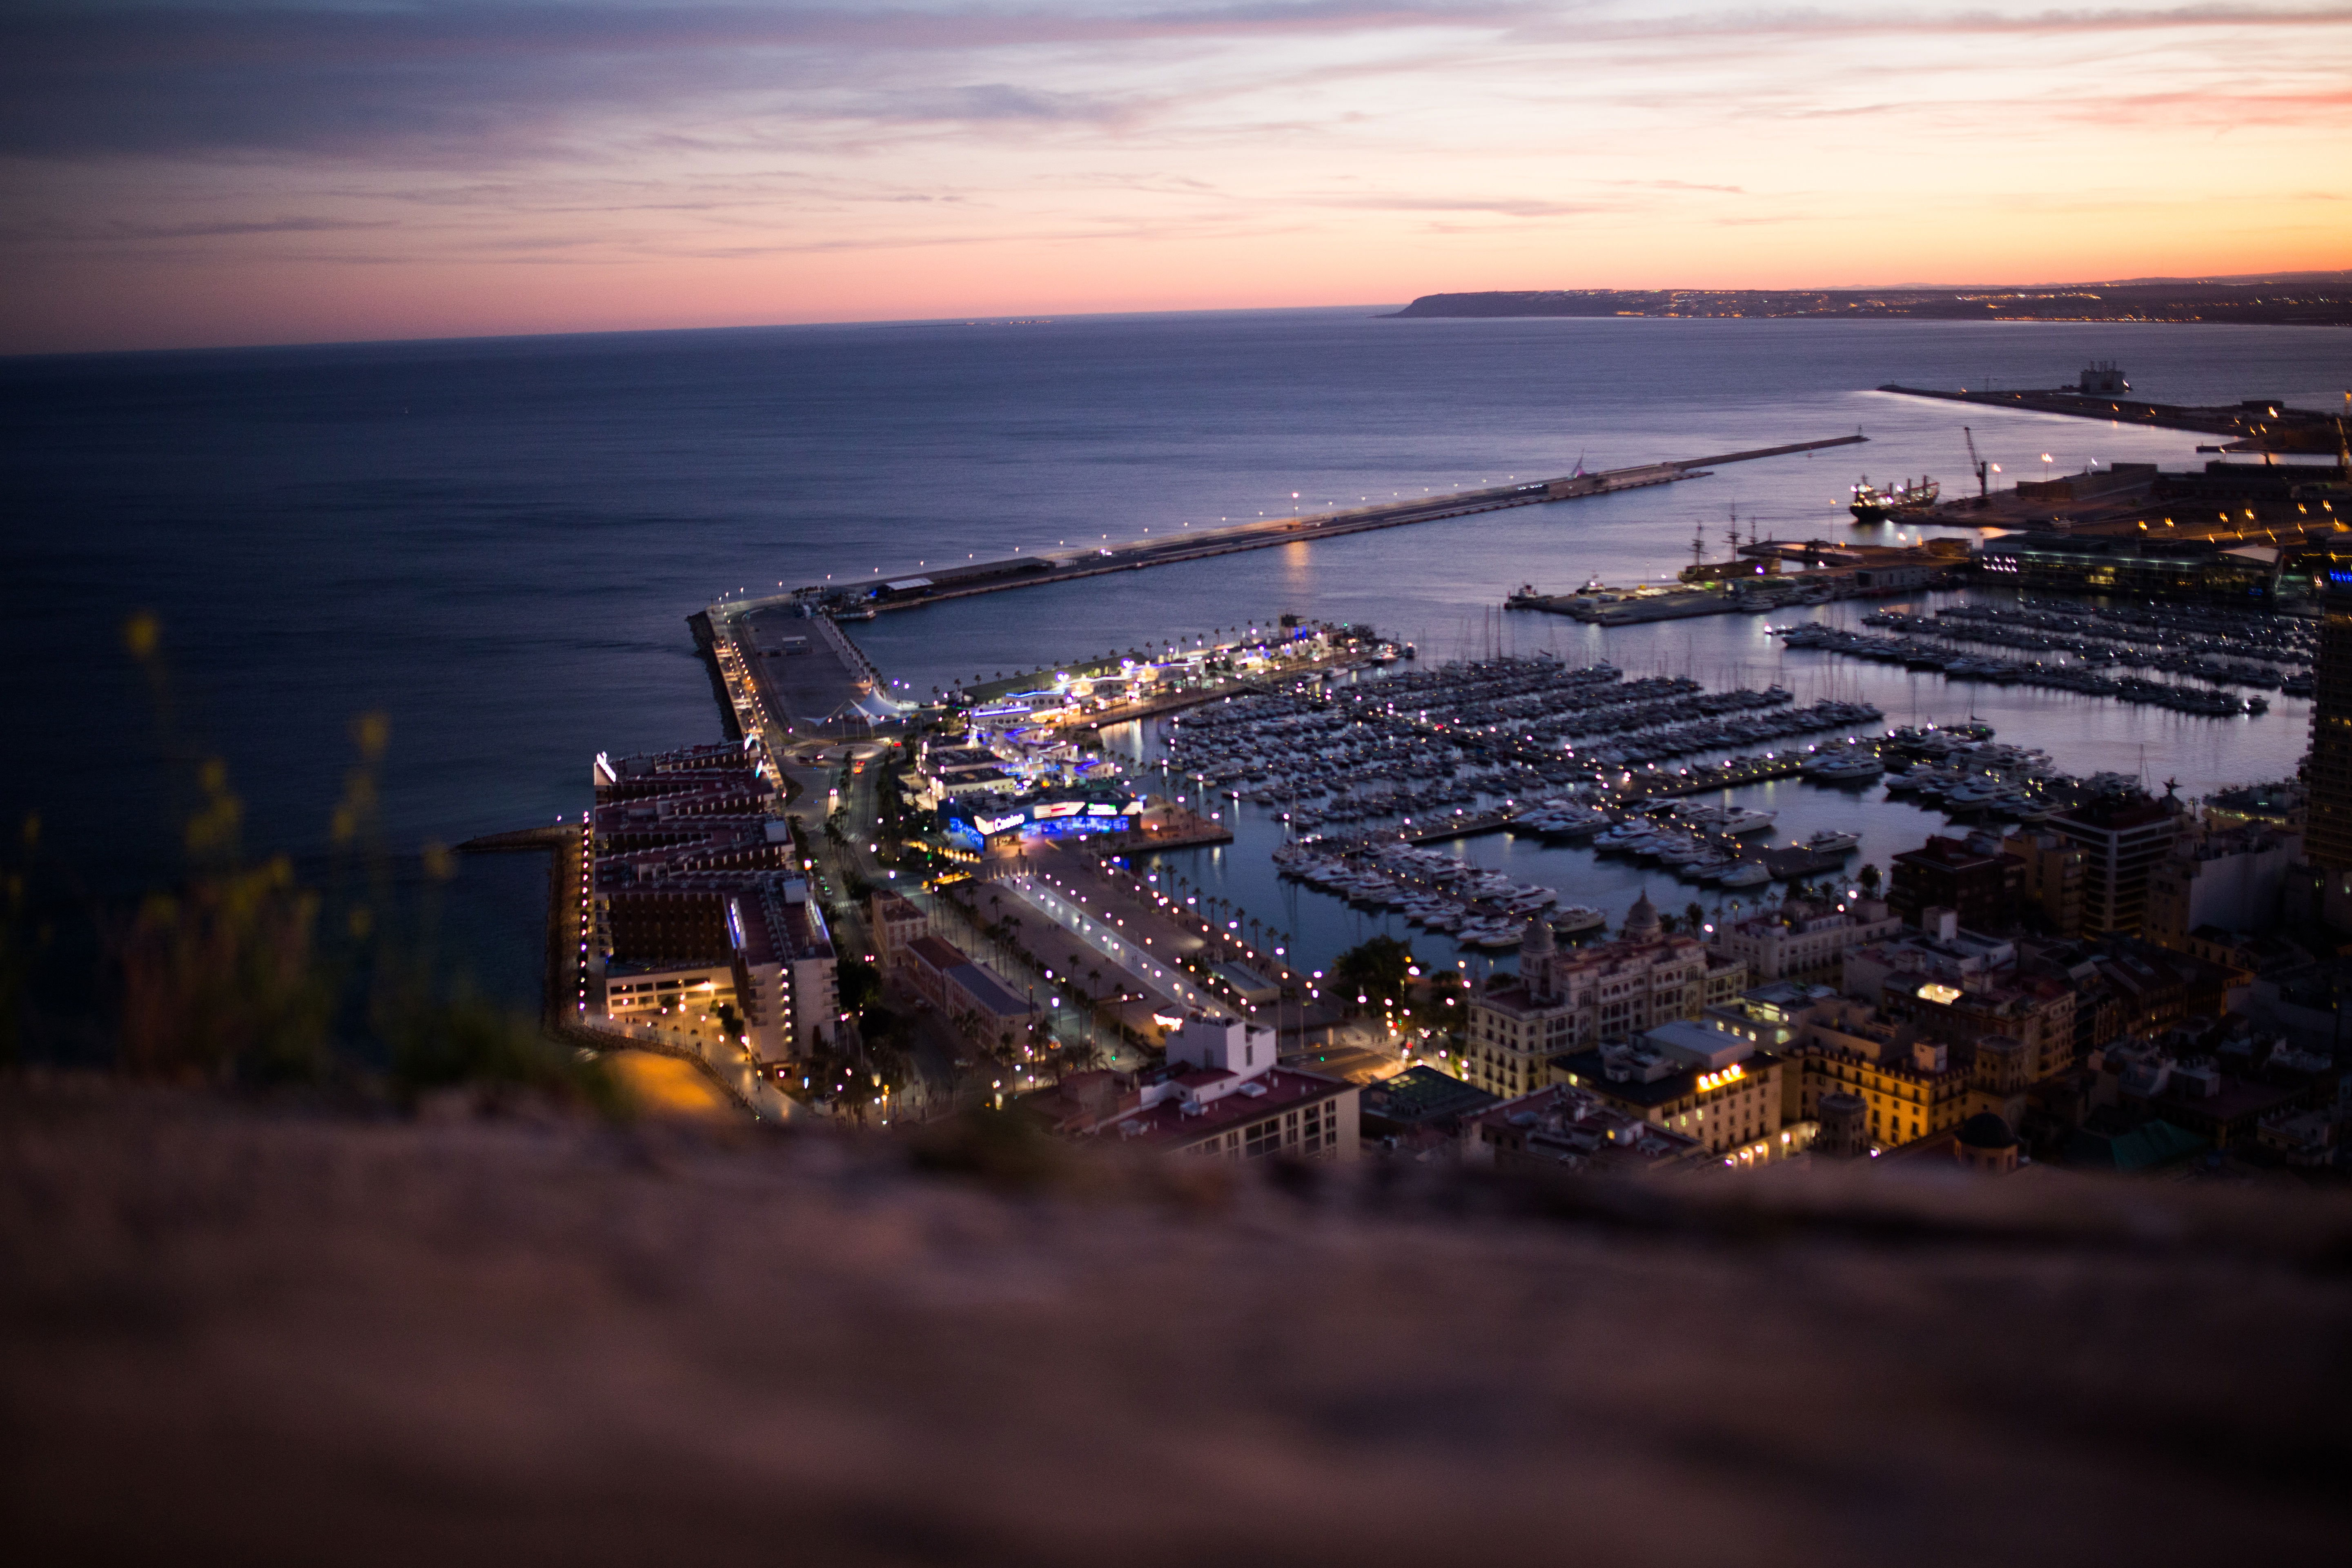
point(496, 542)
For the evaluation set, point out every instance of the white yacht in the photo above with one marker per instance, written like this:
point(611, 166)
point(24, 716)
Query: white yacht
point(1853, 767)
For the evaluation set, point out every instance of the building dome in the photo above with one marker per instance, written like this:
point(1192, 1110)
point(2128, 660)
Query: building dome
point(1986, 1130)
point(1642, 919)
point(1537, 942)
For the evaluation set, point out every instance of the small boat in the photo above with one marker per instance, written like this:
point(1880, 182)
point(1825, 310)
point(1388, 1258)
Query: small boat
point(1855, 767)
point(1831, 841)
point(1747, 874)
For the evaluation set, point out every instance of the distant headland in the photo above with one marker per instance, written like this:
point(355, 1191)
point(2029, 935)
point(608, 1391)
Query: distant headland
point(2296, 299)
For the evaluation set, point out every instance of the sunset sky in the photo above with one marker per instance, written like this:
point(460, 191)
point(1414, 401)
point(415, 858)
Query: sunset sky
point(193, 173)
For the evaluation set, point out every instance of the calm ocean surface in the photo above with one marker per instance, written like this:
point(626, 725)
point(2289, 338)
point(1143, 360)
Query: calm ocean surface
point(496, 541)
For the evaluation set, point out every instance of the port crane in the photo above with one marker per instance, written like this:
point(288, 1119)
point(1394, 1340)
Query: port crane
point(1984, 486)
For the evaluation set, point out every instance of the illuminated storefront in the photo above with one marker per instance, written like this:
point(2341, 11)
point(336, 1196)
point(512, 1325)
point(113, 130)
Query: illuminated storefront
point(974, 823)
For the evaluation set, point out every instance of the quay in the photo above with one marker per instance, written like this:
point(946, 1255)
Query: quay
point(1627, 609)
point(930, 586)
point(2258, 424)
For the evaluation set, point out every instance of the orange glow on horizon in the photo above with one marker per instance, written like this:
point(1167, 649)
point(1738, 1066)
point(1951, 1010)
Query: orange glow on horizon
point(1186, 158)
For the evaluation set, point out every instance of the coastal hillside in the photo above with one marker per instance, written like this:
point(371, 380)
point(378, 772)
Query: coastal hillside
point(2303, 298)
point(239, 1333)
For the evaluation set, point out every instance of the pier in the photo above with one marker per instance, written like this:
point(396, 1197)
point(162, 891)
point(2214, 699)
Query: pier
point(925, 586)
point(2258, 423)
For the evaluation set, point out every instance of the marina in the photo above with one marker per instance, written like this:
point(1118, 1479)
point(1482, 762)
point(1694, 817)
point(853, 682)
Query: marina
point(1374, 790)
point(1455, 799)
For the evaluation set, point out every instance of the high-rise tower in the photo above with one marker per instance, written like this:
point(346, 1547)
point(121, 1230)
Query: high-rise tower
point(2327, 835)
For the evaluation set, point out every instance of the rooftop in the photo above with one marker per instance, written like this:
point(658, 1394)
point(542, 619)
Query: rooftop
point(1187, 1119)
point(1576, 1128)
point(1423, 1094)
point(2116, 814)
point(1643, 1076)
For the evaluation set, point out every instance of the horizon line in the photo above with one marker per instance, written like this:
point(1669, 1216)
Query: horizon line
point(1017, 316)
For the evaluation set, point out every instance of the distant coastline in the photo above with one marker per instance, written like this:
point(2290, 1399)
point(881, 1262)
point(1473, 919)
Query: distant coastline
point(2304, 298)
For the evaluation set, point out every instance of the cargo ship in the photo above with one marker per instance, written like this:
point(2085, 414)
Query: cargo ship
point(1872, 504)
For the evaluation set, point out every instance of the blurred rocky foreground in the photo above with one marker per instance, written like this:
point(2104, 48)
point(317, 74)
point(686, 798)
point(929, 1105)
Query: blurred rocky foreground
point(275, 1336)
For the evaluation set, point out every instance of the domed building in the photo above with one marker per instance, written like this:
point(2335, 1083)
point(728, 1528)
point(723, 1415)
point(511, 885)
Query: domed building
point(1641, 923)
point(1984, 1143)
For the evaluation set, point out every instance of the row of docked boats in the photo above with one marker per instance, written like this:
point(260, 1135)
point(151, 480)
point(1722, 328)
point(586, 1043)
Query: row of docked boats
point(1917, 655)
point(2261, 634)
point(1477, 907)
point(2272, 670)
point(1968, 777)
point(1749, 729)
point(1697, 852)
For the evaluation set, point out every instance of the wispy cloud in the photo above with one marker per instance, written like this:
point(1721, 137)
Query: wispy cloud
point(441, 79)
point(798, 151)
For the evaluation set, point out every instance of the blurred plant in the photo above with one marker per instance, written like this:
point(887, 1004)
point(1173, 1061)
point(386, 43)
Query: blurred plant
point(221, 979)
point(467, 1043)
point(17, 948)
point(240, 973)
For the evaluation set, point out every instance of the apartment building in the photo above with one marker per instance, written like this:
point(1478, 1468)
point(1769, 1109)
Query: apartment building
point(2050, 871)
point(1696, 1080)
point(1802, 942)
point(1220, 1096)
point(2123, 838)
point(2225, 880)
point(1574, 1000)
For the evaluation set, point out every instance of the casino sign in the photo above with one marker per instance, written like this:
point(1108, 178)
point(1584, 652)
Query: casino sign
point(983, 820)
